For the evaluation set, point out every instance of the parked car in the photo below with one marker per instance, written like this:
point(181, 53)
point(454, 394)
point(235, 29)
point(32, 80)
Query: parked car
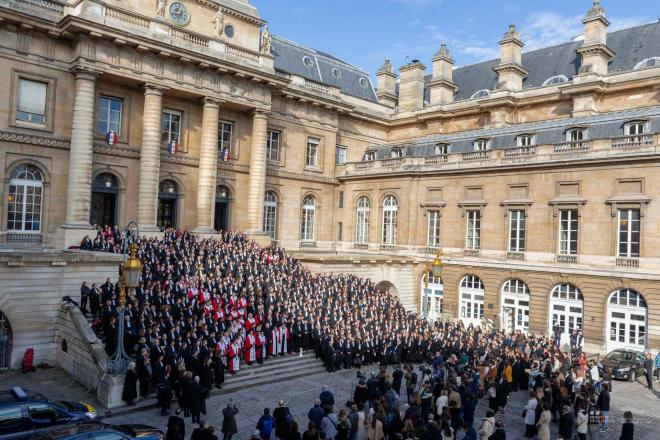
point(624, 364)
point(87, 430)
point(23, 414)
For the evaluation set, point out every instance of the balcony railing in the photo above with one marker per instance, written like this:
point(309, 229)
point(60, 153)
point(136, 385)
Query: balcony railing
point(364, 165)
point(514, 255)
point(476, 155)
point(360, 246)
point(393, 162)
point(316, 86)
point(627, 262)
point(642, 140)
point(571, 146)
point(471, 252)
point(307, 244)
point(387, 247)
point(50, 8)
point(520, 152)
point(569, 259)
point(23, 238)
point(434, 160)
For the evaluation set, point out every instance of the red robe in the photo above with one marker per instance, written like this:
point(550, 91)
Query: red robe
point(234, 357)
point(260, 343)
point(274, 343)
point(250, 349)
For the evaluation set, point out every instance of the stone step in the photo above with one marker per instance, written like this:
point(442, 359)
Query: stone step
point(284, 372)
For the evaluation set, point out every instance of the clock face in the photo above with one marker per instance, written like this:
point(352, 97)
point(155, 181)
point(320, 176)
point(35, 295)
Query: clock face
point(179, 13)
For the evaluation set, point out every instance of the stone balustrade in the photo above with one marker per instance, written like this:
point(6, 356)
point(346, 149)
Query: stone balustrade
point(46, 9)
point(630, 146)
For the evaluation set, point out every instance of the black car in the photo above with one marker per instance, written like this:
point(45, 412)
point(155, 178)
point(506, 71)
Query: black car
point(23, 415)
point(97, 430)
point(624, 364)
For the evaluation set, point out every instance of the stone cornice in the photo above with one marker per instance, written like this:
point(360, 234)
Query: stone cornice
point(44, 141)
point(596, 49)
point(511, 67)
point(441, 82)
point(301, 176)
point(112, 150)
point(179, 159)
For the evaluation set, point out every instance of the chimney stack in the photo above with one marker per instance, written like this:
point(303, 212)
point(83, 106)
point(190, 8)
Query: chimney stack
point(411, 86)
point(441, 86)
point(386, 88)
point(594, 51)
point(510, 72)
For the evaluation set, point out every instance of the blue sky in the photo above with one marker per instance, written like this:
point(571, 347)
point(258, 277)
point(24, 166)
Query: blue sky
point(365, 32)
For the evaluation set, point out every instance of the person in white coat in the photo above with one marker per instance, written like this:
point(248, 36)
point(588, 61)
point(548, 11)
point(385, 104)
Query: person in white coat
point(487, 426)
point(530, 411)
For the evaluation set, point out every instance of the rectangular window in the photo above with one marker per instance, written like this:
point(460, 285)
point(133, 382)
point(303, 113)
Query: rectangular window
point(568, 231)
point(109, 115)
point(369, 156)
point(340, 155)
point(481, 145)
point(341, 199)
point(171, 126)
point(340, 231)
point(311, 156)
point(473, 236)
point(525, 140)
point(225, 131)
point(517, 230)
point(31, 102)
point(628, 233)
point(635, 128)
point(433, 235)
point(576, 135)
point(273, 145)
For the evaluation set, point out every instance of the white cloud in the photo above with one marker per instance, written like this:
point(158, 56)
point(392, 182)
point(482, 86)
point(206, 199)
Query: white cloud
point(480, 53)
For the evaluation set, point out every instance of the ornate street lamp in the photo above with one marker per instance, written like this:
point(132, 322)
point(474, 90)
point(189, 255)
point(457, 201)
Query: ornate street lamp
point(130, 272)
point(434, 268)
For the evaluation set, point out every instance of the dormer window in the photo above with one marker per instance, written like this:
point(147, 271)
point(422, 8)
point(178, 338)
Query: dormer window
point(525, 140)
point(369, 156)
point(440, 149)
point(557, 79)
point(396, 153)
point(648, 63)
point(576, 134)
point(481, 144)
point(483, 93)
point(635, 128)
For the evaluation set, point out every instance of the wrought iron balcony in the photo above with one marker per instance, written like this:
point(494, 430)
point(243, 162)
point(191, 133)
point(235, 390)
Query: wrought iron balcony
point(565, 258)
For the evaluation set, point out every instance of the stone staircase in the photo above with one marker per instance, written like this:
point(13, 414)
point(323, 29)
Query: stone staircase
point(273, 370)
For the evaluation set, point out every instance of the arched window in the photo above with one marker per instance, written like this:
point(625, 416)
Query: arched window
point(627, 298)
point(472, 282)
point(270, 214)
point(515, 306)
point(362, 223)
point(557, 79)
point(25, 198)
point(515, 287)
point(627, 317)
point(471, 300)
point(307, 219)
point(568, 292)
point(483, 93)
point(647, 63)
point(390, 209)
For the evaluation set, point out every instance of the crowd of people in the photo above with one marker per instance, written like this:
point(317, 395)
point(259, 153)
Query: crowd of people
point(205, 306)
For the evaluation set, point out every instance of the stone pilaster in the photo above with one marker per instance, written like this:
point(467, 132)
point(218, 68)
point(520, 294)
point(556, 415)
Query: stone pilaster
point(79, 187)
point(208, 167)
point(150, 158)
point(257, 180)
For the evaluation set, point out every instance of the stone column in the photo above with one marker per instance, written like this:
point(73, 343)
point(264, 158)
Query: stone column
point(257, 180)
point(150, 158)
point(79, 189)
point(208, 167)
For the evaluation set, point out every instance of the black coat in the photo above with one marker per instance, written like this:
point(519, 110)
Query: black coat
point(176, 428)
point(229, 420)
point(130, 387)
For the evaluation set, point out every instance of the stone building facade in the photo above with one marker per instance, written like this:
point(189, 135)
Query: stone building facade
point(535, 173)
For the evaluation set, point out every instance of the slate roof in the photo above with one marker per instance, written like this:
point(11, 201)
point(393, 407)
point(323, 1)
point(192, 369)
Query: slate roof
point(600, 126)
point(630, 46)
point(288, 57)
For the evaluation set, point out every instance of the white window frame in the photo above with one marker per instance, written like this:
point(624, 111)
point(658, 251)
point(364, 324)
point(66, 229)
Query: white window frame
point(440, 149)
point(636, 128)
point(473, 230)
point(526, 140)
point(270, 214)
point(390, 218)
point(577, 134)
point(25, 189)
point(628, 231)
point(226, 130)
point(168, 130)
point(105, 119)
point(396, 153)
point(433, 229)
point(340, 154)
point(31, 115)
point(307, 219)
point(481, 145)
point(369, 156)
point(363, 214)
point(517, 231)
point(570, 217)
point(312, 152)
point(273, 145)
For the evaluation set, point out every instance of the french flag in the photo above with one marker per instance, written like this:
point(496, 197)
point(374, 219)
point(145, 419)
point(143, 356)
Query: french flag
point(172, 146)
point(111, 137)
point(226, 155)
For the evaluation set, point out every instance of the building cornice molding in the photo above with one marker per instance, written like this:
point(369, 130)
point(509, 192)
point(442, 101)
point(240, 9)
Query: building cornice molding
point(112, 150)
point(43, 141)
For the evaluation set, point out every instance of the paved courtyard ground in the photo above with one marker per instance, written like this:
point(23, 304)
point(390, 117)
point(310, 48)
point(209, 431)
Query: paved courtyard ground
point(300, 394)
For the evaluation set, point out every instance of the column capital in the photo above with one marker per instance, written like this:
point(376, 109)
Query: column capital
point(85, 72)
point(260, 113)
point(211, 102)
point(152, 88)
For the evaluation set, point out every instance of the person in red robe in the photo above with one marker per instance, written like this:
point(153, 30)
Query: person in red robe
point(260, 344)
point(250, 349)
point(234, 358)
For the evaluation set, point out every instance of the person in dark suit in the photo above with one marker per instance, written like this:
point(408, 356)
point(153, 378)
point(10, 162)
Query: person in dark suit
point(229, 428)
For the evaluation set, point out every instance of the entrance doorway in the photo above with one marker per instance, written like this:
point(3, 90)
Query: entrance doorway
point(471, 304)
point(515, 306)
point(431, 297)
point(566, 311)
point(168, 195)
point(5, 342)
point(221, 219)
point(105, 190)
point(626, 316)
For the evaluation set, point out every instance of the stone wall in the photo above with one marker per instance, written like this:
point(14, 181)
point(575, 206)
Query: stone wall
point(32, 284)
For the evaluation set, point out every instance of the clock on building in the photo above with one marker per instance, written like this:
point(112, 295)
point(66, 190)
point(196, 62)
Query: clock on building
point(178, 13)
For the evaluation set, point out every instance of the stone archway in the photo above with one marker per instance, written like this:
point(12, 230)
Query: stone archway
point(5, 341)
point(387, 286)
